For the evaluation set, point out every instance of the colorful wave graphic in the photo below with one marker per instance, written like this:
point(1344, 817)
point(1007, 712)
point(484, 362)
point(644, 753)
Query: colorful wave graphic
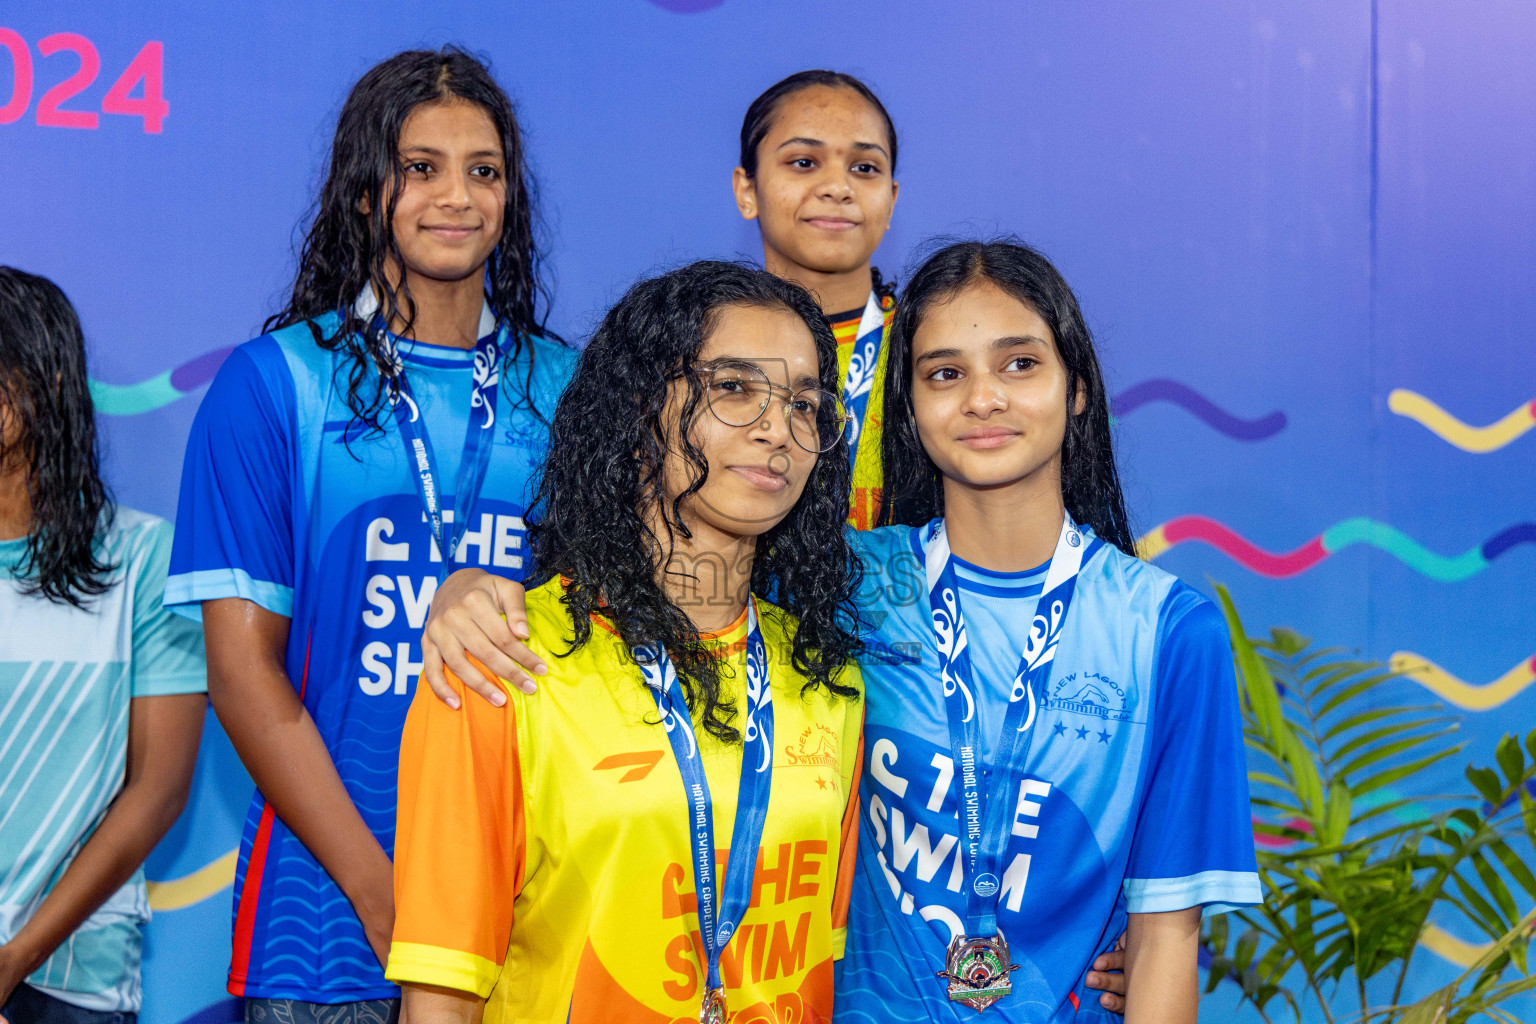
point(206, 881)
point(158, 391)
point(1478, 440)
point(1198, 406)
point(1360, 530)
point(1448, 947)
point(1470, 696)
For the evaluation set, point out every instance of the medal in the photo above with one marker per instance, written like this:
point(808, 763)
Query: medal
point(978, 971)
point(721, 907)
point(713, 1010)
point(976, 967)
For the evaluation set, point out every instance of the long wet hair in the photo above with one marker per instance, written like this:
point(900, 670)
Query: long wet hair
point(758, 122)
point(603, 483)
point(45, 392)
point(1090, 483)
point(347, 250)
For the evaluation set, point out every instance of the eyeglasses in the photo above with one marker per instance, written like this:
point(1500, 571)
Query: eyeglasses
point(739, 396)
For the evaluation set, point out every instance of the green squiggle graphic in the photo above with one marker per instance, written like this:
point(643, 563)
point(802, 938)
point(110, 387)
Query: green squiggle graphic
point(1403, 547)
point(132, 399)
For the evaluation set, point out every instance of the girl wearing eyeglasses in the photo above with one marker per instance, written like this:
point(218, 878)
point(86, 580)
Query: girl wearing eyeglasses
point(659, 833)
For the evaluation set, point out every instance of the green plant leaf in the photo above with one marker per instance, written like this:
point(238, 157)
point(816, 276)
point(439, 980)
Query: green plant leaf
point(1434, 1008)
point(1515, 866)
point(1511, 760)
point(1479, 909)
point(1353, 690)
point(1496, 889)
point(1380, 753)
point(1423, 713)
point(1486, 782)
point(1392, 775)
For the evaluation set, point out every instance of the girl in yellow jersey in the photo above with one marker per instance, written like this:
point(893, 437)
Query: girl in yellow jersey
point(817, 173)
point(572, 855)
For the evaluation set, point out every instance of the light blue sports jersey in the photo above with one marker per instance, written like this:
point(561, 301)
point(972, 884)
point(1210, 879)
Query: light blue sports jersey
point(67, 677)
point(1134, 798)
point(289, 501)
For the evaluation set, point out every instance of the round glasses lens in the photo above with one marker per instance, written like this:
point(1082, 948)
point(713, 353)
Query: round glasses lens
point(817, 420)
point(738, 396)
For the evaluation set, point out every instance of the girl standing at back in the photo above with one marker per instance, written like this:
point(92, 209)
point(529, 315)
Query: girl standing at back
point(817, 173)
point(385, 430)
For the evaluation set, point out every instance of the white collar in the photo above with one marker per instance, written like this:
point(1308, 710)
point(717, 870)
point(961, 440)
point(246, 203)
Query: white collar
point(874, 316)
point(367, 304)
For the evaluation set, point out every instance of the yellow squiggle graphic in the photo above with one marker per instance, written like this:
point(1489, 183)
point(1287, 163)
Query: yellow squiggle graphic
point(178, 893)
point(1448, 947)
point(1443, 425)
point(1459, 692)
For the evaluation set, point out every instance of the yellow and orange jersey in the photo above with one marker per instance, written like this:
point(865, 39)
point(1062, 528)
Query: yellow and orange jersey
point(864, 503)
point(542, 852)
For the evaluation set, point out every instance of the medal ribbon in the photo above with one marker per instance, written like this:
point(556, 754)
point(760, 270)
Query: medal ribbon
point(861, 371)
point(985, 824)
point(478, 434)
point(720, 910)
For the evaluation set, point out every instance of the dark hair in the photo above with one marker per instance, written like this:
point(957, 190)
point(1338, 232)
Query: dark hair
point(759, 121)
point(1090, 484)
point(346, 249)
point(44, 390)
point(603, 474)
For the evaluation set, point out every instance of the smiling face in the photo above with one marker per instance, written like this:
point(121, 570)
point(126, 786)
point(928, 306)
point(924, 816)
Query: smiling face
point(823, 190)
point(756, 472)
point(449, 211)
point(989, 391)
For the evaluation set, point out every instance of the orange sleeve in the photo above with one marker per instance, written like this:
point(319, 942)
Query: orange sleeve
point(459, 842)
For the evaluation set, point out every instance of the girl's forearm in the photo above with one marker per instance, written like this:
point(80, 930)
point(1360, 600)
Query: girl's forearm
point(1161, 967)
point(281, 747)
point(428, 1004)
point(163, 740)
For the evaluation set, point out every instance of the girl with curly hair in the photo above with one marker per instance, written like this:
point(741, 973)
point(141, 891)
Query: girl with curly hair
point(659, 832)
point(1052, 740)
point(385, 430)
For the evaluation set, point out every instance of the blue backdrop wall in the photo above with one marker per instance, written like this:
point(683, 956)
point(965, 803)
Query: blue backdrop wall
point(1304, 233)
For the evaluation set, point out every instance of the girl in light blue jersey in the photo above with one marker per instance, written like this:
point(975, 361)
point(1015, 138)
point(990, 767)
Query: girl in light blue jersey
point(101, 689)
point(1052, 740)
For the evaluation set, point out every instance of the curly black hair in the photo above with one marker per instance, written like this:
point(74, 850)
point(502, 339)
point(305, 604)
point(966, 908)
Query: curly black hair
point(45, 392)
point(1090, 483)
point(347, 249)
point(604, 472)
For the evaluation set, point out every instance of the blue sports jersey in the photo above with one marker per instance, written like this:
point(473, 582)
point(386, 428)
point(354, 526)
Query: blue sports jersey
point(289, 501)
point(1134, 800)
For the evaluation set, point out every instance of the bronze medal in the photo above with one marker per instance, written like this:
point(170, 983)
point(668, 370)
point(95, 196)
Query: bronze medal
point(713, 1009)
point(977, 971)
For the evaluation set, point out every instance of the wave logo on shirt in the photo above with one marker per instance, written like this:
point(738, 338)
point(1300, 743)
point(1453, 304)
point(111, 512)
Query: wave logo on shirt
point(1093, 694)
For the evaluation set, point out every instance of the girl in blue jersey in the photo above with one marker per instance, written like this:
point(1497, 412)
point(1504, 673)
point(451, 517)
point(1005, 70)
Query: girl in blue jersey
point(1052, 740)
point(384, 430)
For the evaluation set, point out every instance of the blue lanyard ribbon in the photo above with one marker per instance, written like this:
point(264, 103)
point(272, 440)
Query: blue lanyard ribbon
point(720, 910)
point(861, 371)
point(478, 436)
point(984, 813)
